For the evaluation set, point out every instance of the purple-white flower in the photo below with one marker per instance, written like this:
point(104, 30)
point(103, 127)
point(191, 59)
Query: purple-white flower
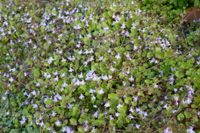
point(67, 129)
point(23, 120)
point(167, 130)
point(101, 91)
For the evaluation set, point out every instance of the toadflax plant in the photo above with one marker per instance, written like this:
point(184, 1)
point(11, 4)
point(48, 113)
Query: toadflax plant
point(101, 66)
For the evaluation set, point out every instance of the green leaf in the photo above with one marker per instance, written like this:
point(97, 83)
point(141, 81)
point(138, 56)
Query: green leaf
point(36, 72)
point(98, 122)
point(75, 111)
point(15, 131)
point(180, 117)
point(187, 114)
point(179, 74)
point(73, 121)
point(42, 29)
point(113, 99)
point(158, 53)
point(48, 101)
point(33, 130)
point(197, 3)
point(128, 100)
point(54, 12)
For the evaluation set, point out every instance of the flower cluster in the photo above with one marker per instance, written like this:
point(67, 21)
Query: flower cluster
point(90, 67)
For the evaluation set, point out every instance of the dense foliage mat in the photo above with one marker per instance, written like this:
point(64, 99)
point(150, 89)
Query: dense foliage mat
point(101, 66)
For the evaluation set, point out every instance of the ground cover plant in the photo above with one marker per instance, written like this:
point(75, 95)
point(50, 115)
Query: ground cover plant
point(100, 66)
